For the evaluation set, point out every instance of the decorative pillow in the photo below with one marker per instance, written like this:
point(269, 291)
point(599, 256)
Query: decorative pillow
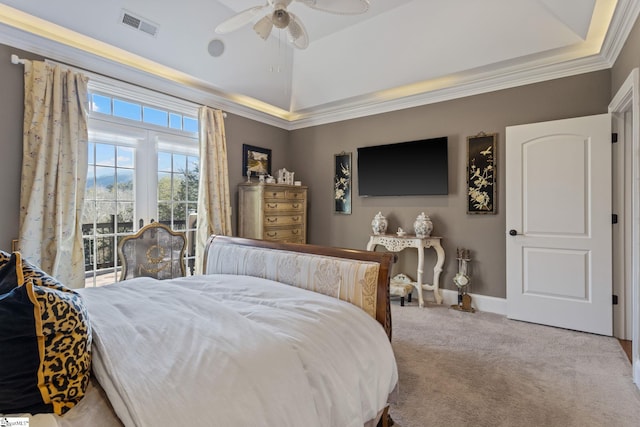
point(45, 338)
point(8, 273)
point(4, 258)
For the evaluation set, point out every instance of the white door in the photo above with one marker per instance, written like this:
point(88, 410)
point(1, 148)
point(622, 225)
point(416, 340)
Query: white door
point(558, 223)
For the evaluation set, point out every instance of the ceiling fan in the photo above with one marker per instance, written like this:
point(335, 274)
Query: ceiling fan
point(281, 18)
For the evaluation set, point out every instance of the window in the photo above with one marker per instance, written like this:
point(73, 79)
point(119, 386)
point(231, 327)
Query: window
point(143, 166)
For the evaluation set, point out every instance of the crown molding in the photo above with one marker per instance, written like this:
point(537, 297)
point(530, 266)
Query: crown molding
point(468, 84)
point(622, 22)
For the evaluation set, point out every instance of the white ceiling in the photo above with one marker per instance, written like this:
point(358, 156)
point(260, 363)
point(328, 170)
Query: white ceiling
point(399, 54)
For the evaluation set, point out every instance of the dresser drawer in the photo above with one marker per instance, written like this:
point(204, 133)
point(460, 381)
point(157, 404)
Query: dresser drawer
point(276, 206)
point(286, 234)
point(275, 194)
point(294, 195)
point(273, 220)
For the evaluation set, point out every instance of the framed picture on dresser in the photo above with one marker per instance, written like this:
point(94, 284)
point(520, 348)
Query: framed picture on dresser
point(256, 160)
point(342, 183)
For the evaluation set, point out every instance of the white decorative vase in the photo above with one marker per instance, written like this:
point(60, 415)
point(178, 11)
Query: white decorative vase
point(423, 226)
point(379, 224)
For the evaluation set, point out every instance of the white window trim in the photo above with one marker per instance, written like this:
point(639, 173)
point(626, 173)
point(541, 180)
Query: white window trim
point(120, 89)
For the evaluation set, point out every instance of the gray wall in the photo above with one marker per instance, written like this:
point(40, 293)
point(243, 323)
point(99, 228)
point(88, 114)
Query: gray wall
point(312, 151)
point(239, 131)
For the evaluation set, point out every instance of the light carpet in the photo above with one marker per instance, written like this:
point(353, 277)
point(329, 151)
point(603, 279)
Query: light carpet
point(482, 369)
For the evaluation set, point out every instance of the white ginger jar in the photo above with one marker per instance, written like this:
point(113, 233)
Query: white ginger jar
point(423, 226)
point(379, 224)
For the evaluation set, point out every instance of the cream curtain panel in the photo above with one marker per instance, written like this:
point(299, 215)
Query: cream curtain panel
point(214, 203)
point(54, 170)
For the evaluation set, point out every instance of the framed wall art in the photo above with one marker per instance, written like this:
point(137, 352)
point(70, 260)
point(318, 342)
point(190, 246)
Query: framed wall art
point(257, 160)
point(342, 183)
point(481, 174)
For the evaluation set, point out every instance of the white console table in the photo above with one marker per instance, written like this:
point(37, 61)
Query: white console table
point(396, 244)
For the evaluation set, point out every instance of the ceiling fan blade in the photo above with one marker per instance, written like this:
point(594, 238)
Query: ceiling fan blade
point(263, 27)
point(297, 33)
point(238, 20)
point(340, 7)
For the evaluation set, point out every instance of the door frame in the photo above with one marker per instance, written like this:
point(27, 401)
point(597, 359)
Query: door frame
point(624, 107)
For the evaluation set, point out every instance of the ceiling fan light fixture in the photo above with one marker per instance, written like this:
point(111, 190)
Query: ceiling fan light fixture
point(280, 18)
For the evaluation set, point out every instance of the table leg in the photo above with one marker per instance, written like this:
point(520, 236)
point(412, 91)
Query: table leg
point(437, 270)
point(370, 245)
point(419, 278)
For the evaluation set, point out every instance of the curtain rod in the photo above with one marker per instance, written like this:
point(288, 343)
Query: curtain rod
point(16, 60)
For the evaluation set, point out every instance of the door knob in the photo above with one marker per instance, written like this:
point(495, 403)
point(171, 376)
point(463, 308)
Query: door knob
point(513, 232)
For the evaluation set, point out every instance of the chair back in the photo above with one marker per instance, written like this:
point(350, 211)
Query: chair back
point(154, 251)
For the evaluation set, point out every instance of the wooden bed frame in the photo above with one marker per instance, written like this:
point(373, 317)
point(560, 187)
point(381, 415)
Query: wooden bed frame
point(384, 259)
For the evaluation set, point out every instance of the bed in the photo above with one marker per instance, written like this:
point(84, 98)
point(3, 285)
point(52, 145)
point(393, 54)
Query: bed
point(272, 334)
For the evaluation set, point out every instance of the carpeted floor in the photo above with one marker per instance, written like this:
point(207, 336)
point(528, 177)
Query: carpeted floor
point(481, 369)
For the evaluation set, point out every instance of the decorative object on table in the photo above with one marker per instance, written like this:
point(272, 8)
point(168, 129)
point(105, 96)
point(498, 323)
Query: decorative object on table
point(261, 178)
point(401, 232)
point(270, 180)
point(462, 281)
point(401, 286)
point(285, 176)
point(423, 226)
point(379, 224)
point(342, 183)
point(256, 160)
point(248, 174)
point(481, 174)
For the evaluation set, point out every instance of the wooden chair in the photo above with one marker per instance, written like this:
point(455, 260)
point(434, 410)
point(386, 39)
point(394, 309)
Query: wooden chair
point(154, 251)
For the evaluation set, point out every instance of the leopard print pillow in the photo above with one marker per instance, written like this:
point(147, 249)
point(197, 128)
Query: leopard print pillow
point(62, 334)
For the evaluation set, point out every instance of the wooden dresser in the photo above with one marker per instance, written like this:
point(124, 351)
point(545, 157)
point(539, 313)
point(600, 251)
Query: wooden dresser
point(276, 212)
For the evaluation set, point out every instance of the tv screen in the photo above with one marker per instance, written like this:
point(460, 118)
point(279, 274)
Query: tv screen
point(414, 168)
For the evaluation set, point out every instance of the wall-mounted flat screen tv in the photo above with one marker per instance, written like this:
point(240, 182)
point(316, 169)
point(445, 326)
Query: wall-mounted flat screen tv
point(414, 168)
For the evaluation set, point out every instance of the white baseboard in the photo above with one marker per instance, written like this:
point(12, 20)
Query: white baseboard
point(479, 302)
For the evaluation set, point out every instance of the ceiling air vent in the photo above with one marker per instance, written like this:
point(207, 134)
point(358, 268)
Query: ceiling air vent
point(129, 19)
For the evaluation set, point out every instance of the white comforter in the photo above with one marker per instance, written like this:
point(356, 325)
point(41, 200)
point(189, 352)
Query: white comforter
point(224, 350)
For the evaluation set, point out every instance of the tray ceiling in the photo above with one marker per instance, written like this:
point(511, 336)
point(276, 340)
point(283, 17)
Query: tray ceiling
point(399, 54)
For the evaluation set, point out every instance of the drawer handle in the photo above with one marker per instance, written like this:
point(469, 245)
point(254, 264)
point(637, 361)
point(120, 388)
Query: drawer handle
point(295, 231)
point(295, 218)
point(295, 206)
point(295, 195)
point(275, 194)
point(272, 219)
point(272, 234)
point(272, 206)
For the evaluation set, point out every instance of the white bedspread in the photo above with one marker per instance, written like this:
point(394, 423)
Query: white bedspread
point(223, 350)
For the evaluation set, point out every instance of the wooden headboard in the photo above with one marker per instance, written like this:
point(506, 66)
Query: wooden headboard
point(361, 277)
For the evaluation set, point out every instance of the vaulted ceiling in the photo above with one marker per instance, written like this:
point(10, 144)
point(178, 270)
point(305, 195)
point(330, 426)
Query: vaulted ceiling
point(400, 53)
